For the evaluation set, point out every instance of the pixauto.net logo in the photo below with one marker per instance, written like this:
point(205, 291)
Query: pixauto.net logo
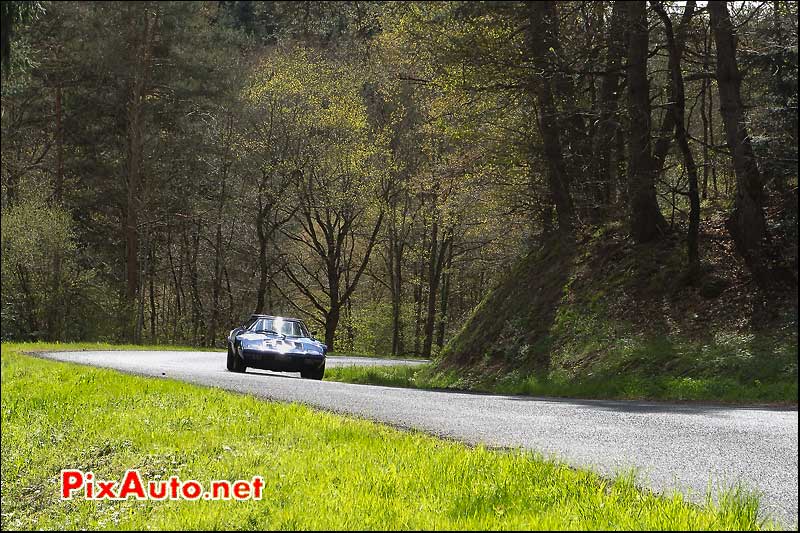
point(76, 483)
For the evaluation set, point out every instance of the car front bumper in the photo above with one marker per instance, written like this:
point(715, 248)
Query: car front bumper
point(282, 361)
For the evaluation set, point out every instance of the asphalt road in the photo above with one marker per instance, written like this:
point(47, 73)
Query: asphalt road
point(684, 447)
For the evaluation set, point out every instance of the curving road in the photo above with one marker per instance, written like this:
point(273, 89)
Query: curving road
point(684, 447)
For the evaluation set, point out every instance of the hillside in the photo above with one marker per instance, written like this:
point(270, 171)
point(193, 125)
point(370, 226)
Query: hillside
point(605, 308)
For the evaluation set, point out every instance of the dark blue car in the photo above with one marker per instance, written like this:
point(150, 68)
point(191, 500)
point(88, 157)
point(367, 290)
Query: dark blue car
point(276, 343)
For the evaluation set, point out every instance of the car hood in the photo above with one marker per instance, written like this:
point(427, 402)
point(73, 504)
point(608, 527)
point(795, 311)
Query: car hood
point(306, 342)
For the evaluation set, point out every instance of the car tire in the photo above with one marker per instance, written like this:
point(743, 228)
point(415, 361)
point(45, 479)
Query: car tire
point(314, 374)
point(235, 364)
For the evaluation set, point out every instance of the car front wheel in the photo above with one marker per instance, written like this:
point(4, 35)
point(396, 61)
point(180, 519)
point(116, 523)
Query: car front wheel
point(316, 373)
point(235, 364)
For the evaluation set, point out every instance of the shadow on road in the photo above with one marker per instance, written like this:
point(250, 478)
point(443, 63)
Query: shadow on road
point(635, 406)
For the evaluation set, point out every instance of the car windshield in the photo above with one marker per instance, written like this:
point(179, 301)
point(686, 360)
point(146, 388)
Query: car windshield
point(290, 328)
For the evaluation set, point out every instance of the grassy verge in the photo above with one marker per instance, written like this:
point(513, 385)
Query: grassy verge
point(321, 471)
point(73, 346)
point(375, 356)
point(665, 388)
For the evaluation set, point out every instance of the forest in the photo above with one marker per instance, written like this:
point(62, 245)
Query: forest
point(389, 171)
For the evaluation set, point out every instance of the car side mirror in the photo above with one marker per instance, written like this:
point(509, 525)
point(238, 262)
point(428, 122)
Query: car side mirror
point(313, 333)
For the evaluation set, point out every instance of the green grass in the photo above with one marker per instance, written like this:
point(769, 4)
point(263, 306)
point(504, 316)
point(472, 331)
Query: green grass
point(322, 471)
point(665, 388)
point(74, 346)
point(373, 355)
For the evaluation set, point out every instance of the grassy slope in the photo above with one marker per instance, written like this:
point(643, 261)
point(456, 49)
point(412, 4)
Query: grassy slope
point(605, 318)
point(321, 471)
point(715, 390)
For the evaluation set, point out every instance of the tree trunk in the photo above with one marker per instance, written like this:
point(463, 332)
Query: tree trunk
point(333, 316)
point(711, 133)
point(443, 305)
point(666, 133)
point(263, 261)
point(646, 221)
point(216, 288)
point(348, 313)
point(394, 267)
point(30, 299)
point(331, 323)
point(141, 48)
point(418, 270)
point(392, 262)
point(540, 37)
point(231, 300)
point(419, 275)
point(59, 183)
point(177, 286)
point(397, 303)
point(433, 286)
point(608, 122)
point(55, 310)
point(197, 304)
point(440, 249)
point(151, 276)
point(139, 327)
point(576, 140)
point(704, 117)
point(746, 224)
point(621, 166)
point(219, 256)
point(678, 110)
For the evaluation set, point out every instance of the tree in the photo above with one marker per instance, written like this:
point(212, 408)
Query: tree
point(677, 108)
point(140, 44)
point(12, 14)
point(608, 121)
point(542, 39)
point(646, 221)
point(334, 166)
point(746, 224)
point(33, 234)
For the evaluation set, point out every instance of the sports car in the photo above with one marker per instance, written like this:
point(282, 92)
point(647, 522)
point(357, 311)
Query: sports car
point(276, 343)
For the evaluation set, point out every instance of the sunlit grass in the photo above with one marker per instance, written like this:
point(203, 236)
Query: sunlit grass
point(322, 471)
point(77, 346)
